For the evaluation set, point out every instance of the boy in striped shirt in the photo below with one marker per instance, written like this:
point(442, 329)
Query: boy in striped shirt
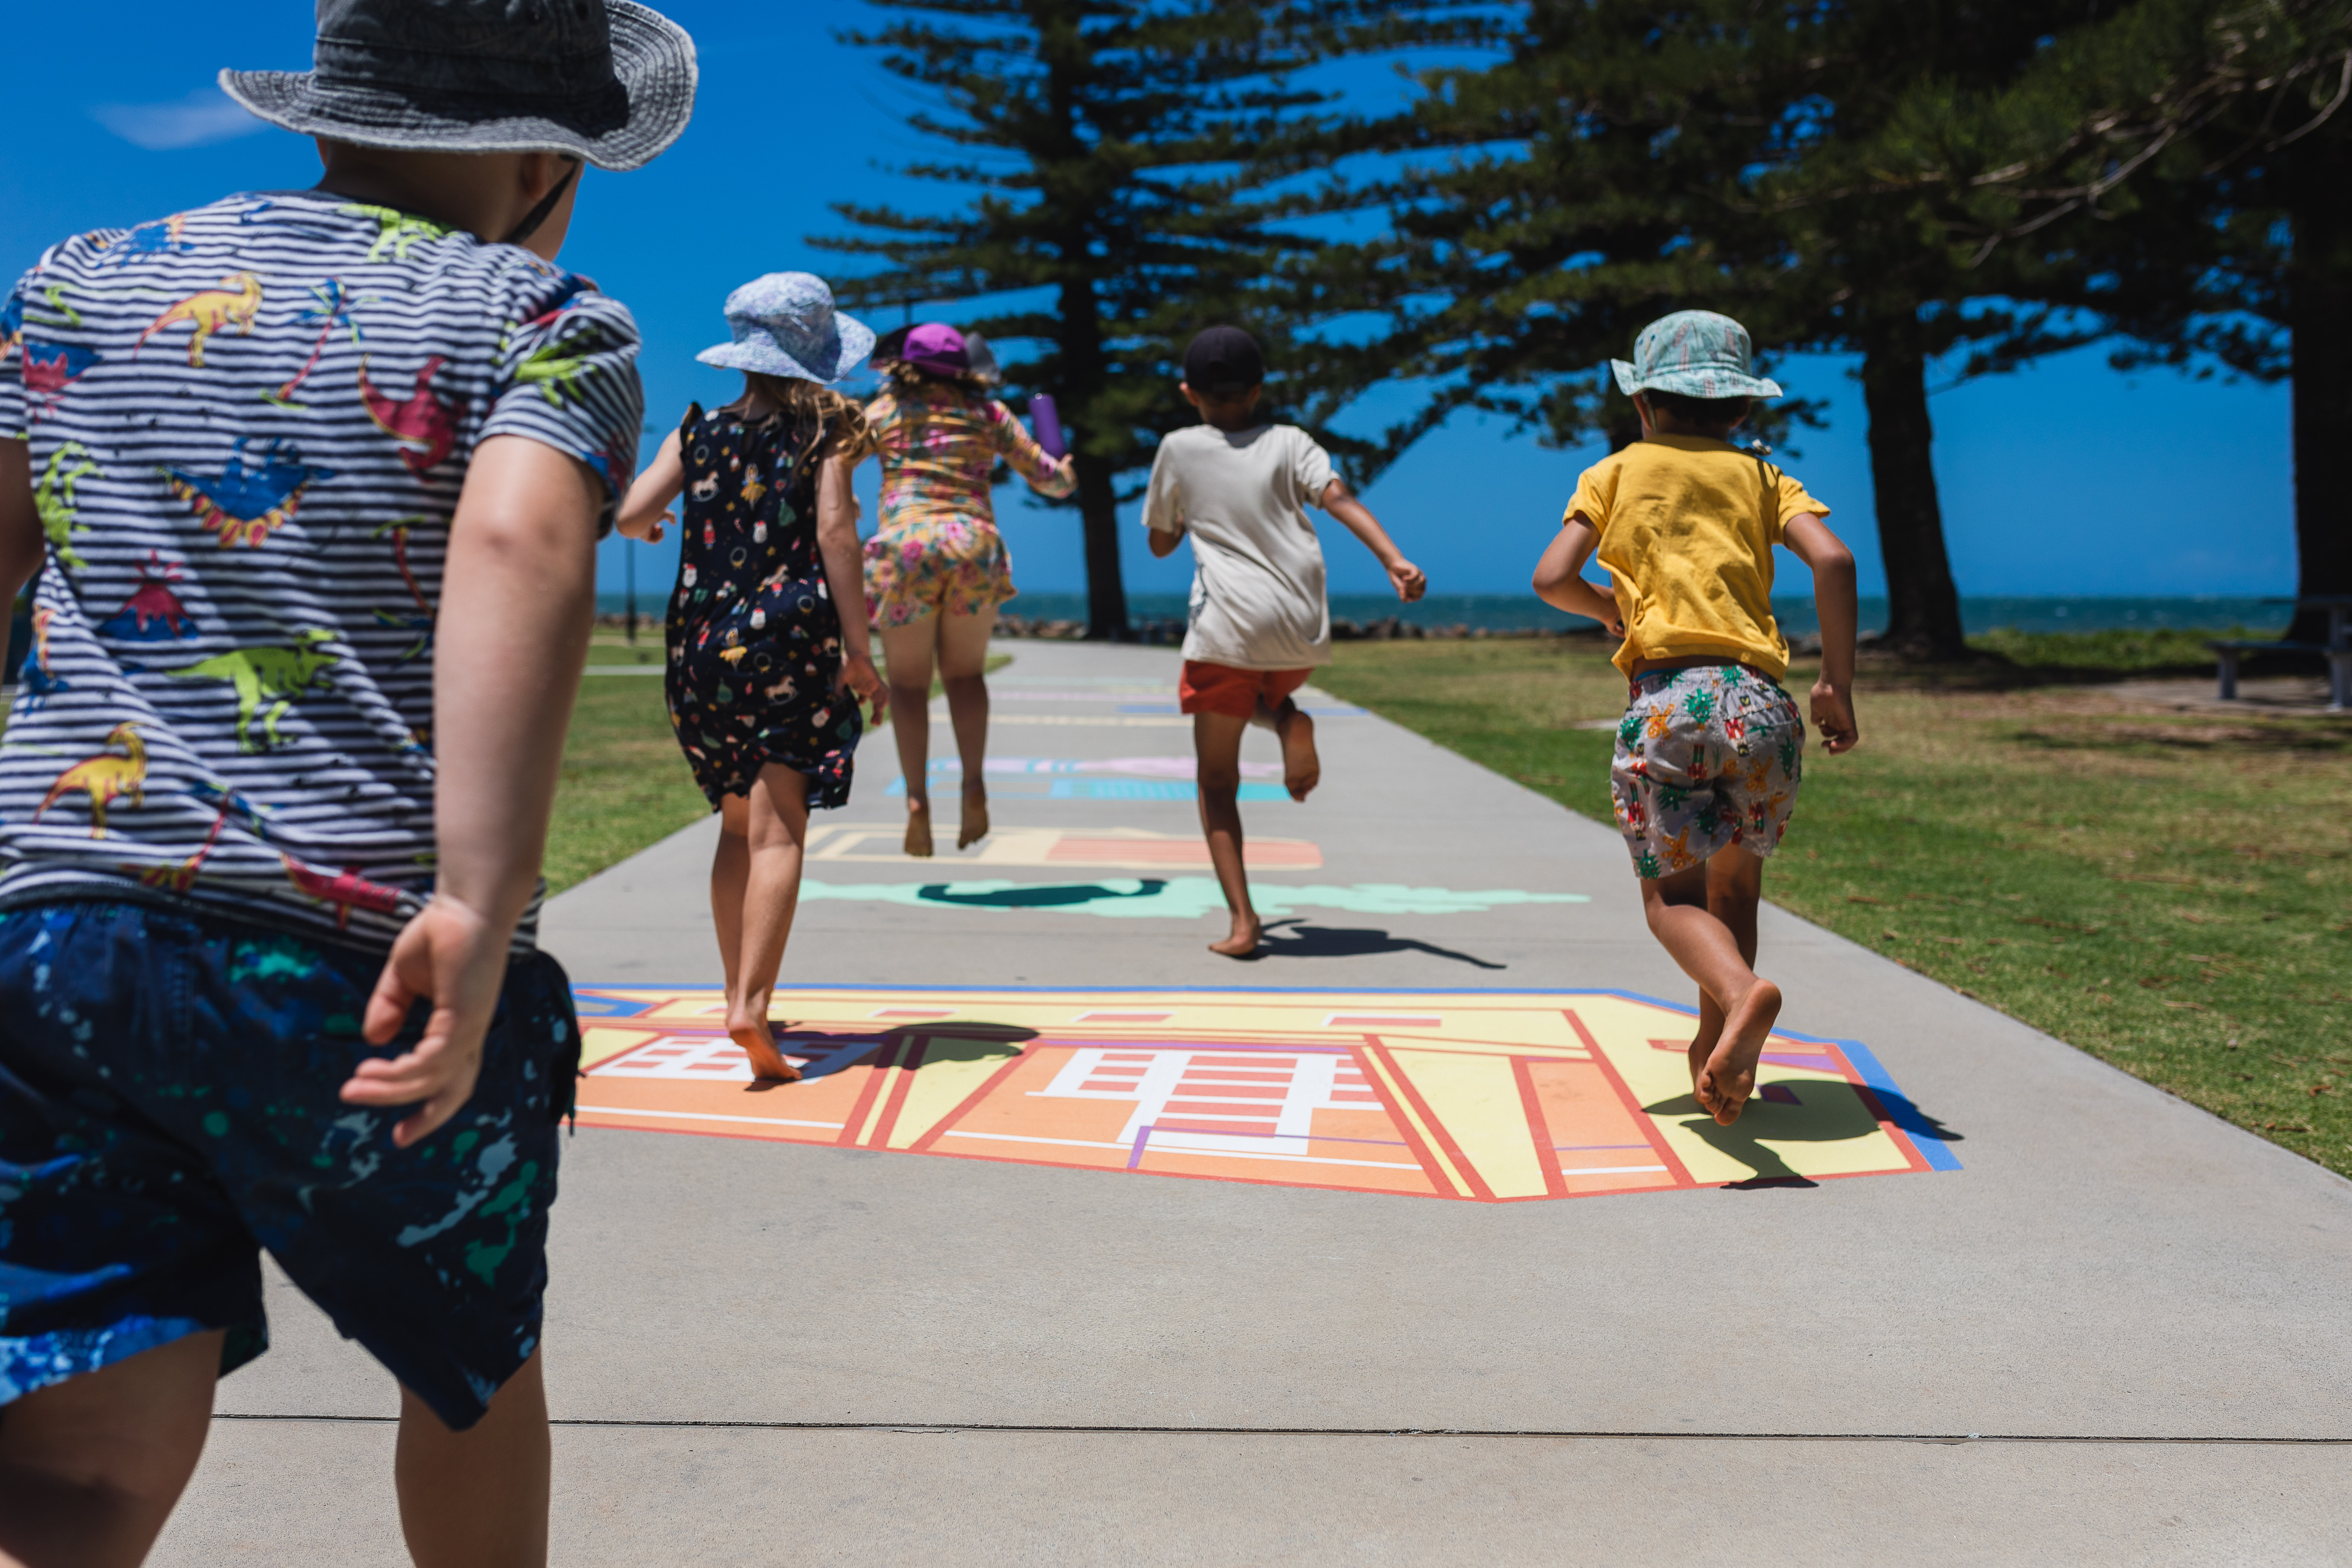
point(267, 882)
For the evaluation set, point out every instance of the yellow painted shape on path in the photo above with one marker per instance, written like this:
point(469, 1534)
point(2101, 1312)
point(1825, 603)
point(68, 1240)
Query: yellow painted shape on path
point(602, 1042)
point(952, 1070)
point(1476, 1097)
point(1829, 1132)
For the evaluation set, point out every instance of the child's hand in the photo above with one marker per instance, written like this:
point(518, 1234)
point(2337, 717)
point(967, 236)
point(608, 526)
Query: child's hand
point(859, 677)
point(659, 527)
point(1410, 583)
point(453, 956)
point(1834, 717)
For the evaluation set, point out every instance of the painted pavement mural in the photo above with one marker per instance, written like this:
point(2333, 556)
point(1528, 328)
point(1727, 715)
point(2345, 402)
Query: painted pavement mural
point(1488, 1097)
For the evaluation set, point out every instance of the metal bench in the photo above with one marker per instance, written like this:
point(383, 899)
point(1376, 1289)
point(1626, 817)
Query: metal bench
point(2339, 666)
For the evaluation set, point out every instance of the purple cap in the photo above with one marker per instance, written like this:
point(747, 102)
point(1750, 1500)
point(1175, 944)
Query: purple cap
point(938, 347)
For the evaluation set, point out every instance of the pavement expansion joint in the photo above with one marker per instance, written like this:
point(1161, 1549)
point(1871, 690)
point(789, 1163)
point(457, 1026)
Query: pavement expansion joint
point(1073, 1430)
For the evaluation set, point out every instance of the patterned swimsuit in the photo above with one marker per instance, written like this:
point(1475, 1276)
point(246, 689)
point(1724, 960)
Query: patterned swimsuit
point(754, 638)
point(936, 549)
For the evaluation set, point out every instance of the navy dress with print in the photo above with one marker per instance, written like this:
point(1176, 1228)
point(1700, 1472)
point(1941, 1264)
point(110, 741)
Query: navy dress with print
point(754, 637)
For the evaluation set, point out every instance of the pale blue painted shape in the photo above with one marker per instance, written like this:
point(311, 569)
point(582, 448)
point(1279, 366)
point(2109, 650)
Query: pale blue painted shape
point(1124, 789)
point(1181, 898)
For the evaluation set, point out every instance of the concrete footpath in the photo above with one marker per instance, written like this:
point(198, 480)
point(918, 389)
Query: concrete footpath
point(2045, 1313)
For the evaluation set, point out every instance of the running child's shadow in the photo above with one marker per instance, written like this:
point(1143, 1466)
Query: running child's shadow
point(956, 1041)
point(1799, 1112)
point(1301, 941)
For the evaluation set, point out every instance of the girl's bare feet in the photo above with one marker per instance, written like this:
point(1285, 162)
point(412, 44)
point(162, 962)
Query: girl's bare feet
point(919, 829)
point(975, 817)
point(1729, 1077)
point(758, 1038)
point(1244, 939)
point(1302, 769)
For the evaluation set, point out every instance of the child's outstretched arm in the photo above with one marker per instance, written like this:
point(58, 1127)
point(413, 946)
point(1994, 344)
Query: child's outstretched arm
point(646, 509)
point(1560, 576)
point(517, 597)
point(1404, 575)
point(1833, 603)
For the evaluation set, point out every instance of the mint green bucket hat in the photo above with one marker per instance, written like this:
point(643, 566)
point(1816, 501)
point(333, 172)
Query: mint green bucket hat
point(1697, 354)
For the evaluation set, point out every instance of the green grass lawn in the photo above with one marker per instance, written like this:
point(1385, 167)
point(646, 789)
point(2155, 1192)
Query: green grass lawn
point(2167, 893)
point(624, 783)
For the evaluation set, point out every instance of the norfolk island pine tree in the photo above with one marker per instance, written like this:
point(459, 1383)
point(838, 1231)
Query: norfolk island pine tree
point(2197, 155)
point(1145, 140)
point(1652, 160)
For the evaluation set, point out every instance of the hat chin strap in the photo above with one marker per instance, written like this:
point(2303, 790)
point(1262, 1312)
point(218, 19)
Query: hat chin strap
point(537, 217)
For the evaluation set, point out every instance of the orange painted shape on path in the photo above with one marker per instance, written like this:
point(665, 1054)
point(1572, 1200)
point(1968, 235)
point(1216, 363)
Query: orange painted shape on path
point(1490, 1097)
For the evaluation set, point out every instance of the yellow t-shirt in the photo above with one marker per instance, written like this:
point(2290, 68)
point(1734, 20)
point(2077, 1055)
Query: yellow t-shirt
point(1688, 525)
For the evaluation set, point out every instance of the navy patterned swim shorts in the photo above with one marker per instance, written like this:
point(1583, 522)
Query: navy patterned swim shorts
point(168, 1107)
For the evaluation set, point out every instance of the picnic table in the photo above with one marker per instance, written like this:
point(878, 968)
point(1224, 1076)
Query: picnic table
point(2338, 648)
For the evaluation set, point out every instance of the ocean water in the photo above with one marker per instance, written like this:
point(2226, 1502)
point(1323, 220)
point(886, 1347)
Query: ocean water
point(1515, 612)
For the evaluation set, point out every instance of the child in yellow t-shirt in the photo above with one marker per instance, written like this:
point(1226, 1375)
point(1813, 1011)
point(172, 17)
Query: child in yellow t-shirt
point(1708, 757)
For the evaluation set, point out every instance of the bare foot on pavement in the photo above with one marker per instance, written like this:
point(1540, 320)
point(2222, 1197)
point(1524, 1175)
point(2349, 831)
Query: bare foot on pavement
point(1247, 930)
point(759, 1042)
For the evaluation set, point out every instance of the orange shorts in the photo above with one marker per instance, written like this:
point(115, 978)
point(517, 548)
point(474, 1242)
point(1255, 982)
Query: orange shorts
point(1221, 689)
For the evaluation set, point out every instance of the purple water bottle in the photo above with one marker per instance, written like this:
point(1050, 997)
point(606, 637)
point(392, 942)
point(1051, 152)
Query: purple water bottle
point(1049, 425)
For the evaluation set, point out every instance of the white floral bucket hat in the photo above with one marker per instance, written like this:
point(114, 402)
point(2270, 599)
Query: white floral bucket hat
point(784, 324)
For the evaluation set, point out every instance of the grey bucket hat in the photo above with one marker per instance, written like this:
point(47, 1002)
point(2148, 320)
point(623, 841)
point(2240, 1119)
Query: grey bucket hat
point(606, 80)
point(1697, 354)
point(784, 324)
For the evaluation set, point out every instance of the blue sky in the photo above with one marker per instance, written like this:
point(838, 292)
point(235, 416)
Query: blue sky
point(2069, 479)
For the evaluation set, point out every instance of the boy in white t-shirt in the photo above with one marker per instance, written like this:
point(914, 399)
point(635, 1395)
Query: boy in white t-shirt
point(1260, 622)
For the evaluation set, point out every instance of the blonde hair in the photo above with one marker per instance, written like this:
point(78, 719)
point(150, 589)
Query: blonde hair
point(791, 395)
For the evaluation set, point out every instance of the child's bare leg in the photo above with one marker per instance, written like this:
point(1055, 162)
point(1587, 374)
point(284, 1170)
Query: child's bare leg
point(1709, 952)
point(776, 816)
point(907, 653)
point(90, 1467)
point(963, 664)
point(1733, 902)
point(1302, 768)
point(1217, 746)
point(476, 1498)
point(729, 865)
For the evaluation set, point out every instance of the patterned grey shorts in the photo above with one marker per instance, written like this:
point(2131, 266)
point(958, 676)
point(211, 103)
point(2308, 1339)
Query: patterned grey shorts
point(1707, 758)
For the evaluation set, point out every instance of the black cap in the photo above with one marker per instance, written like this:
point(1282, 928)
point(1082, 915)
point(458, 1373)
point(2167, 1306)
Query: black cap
point(1223, 360)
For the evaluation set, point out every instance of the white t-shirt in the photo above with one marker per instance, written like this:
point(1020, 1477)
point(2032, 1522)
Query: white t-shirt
point(1258, 568)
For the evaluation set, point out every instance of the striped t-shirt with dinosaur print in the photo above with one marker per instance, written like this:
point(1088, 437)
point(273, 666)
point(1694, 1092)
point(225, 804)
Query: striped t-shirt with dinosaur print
point(247, 426)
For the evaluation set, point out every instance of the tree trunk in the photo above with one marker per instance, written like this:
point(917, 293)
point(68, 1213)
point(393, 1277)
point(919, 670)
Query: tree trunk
point(2319, 307)
point(1106, 591)
point(1923, 607)
point(1085, 378)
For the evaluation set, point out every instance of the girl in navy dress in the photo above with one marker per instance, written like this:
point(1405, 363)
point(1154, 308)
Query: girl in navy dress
point(765, 674)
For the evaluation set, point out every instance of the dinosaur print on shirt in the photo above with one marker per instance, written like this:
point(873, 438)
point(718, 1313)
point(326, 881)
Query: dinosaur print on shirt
point(247, 426)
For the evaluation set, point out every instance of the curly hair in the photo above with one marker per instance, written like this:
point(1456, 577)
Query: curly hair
point(905, 377)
